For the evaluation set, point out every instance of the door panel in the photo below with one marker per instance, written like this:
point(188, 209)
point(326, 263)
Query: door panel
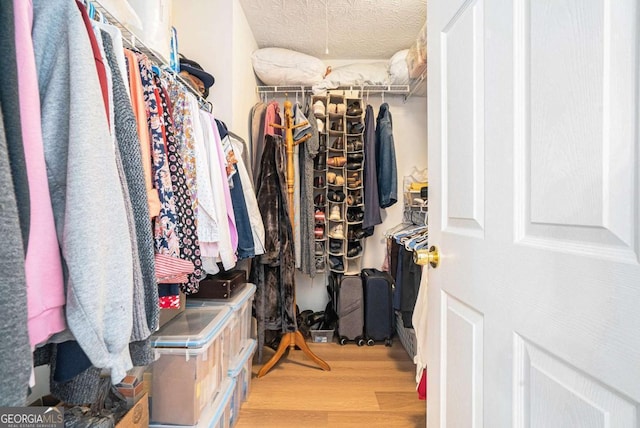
point(575, 93)
point(568, 172)
point(534, 202)
point(462, 341)
point(463, 102)
point(551, 393)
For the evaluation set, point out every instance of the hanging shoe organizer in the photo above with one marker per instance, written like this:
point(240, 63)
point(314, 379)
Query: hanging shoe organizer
point(339, 168)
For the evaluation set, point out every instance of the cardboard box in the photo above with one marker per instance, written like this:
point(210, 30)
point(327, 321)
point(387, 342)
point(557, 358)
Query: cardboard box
point(132, 386)
point(46, 401)
point(138, 416)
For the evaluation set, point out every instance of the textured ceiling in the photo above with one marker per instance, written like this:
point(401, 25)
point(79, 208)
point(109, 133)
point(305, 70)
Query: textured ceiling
point(357, 29)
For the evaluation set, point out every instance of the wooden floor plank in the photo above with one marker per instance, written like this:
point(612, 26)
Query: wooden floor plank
point(367, 386)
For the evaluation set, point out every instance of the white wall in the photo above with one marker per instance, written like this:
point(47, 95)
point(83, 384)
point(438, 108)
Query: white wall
point(410, 138)
point(217, 36)
point(204, 29)
point(244, 94)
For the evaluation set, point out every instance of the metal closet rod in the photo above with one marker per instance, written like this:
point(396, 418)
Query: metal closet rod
point(133, 41)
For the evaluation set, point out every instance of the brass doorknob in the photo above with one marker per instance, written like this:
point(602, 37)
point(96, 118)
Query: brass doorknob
point(431, 256)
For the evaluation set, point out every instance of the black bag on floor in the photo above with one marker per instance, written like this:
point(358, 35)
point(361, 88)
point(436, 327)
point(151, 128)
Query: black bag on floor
point(378, 306)
point(330, 315)
point(351, 310)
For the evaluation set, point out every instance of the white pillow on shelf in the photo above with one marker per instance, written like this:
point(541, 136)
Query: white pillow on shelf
point(356, 74)
point(360, 73)
point(398, 70)
point(279, 66)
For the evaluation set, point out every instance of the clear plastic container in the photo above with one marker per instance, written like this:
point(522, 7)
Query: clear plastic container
point(190, 365)
point(218, 414)
point(321, 336)
point(240, 370)
point(240, 324)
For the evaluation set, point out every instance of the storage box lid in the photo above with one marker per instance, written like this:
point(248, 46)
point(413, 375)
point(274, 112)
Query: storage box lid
point(193, 328)
point(235, 302)
point(239, 362)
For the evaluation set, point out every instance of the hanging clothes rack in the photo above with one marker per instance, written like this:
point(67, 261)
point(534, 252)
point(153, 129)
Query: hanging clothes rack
point(389, 89)
point(132, 41)
point(406, 90)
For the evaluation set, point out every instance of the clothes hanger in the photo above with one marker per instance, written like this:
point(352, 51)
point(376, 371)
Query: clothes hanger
point(408, 232)
point(397, 228)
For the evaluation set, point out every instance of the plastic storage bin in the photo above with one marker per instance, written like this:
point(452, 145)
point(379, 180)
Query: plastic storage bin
point(240, 323)
point(190, 365)
point(240, 370)
point(321, 336)
point(217, 414)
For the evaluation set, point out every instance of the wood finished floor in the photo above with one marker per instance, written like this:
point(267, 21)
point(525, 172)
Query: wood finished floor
point(366, 387)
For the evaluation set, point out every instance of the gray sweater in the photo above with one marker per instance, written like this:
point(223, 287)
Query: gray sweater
point(87, 199)
point(129, 147)
point(15, 354)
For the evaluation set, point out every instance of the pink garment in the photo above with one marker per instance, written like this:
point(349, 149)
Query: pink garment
point(172, 270)
point(271, 116)
point(227, 193)
point(43, 266)
point(140, 112)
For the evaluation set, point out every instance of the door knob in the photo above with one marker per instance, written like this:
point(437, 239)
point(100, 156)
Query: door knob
point(431, 256)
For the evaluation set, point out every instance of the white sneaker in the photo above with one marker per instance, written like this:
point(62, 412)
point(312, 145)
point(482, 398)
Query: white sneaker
point(318, 108)
point(337, 232)
point(335, 213)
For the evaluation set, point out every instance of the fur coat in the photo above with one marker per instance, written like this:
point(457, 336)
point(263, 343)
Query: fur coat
point(273, 272)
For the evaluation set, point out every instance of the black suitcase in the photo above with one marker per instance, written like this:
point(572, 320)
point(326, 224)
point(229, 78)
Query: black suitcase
point(378, 306)
point(351, 310)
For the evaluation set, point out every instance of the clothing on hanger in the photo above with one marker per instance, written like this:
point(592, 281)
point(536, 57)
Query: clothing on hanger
point(386, 158)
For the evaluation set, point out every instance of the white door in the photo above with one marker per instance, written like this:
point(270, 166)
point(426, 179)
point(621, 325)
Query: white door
point(534, 312)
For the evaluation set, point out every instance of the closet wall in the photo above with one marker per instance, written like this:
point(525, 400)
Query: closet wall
point(216, 34)
point(204, 31)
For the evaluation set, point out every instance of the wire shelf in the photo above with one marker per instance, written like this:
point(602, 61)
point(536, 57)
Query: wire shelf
point(387, 89)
